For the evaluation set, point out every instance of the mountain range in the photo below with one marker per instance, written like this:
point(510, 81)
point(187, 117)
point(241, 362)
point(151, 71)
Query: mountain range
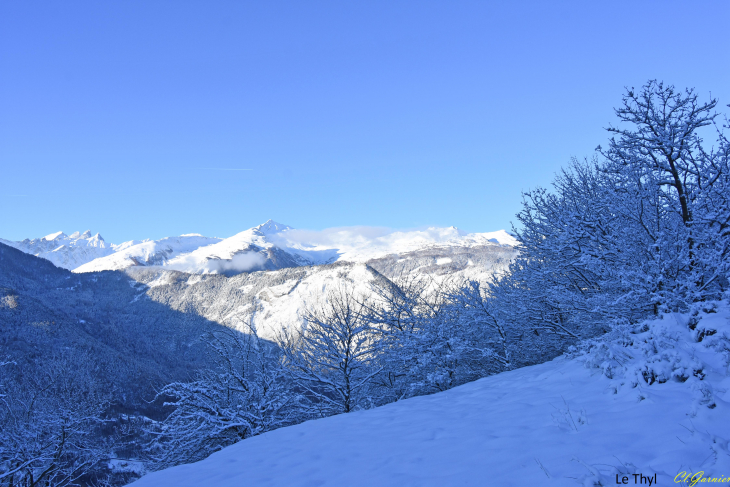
point(268, 246)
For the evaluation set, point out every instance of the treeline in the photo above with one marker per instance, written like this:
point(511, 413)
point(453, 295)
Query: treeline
point(643, 228)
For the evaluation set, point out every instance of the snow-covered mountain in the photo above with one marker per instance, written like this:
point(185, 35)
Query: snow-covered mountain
point(147, 253)
point(66, 251)
point(278, 298)
point(252, 249)
point(268, 246)
point(208, 275)
point(643, 403)
point(361, 244)
point(272, 246)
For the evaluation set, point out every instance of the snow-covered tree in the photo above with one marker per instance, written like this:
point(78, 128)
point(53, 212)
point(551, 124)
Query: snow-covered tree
point(49, 424)
point(433, 336)
point(332, 358)
point(662, 153)
point(578, 253)
point(397, 310)
point(641, 228)
point(479, 317)
point(245, 395)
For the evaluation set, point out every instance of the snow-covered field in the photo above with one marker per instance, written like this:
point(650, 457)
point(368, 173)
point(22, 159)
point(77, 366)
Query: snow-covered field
point(649, 400)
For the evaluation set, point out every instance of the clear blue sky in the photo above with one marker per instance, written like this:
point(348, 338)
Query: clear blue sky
point(119, 116)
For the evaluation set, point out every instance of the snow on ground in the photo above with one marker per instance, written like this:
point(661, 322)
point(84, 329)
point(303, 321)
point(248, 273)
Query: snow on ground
point(642, 401)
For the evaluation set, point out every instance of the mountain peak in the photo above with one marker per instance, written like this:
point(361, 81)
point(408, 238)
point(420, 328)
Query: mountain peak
point(54, 236)
point(270, 227)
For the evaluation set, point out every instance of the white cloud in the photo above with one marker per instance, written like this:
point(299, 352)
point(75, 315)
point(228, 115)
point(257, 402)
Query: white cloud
point(241, 262)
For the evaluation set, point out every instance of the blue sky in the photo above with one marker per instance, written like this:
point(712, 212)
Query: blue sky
point(124, 117)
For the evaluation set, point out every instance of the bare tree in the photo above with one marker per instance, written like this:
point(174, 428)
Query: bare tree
point(332, 359)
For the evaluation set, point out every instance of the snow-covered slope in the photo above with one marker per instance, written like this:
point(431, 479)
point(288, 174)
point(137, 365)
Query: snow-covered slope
point(249, 250)
point(278, 298)
point(153, 252)
point(66, 251)
point(647, 401)
point(274, 299)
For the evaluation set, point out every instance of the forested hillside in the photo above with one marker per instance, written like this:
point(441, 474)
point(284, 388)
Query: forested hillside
point(81, 363)
point(134, 345)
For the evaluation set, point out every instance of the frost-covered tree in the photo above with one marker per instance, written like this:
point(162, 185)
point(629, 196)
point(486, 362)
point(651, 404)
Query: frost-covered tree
point(578, 253)
point(433, 336)
point(49, 424)
point(662, 144)
point(398, 310)
point(641, 228)
point(479, 317)
point(658, 150)
point(245, 395)
point(332, 358)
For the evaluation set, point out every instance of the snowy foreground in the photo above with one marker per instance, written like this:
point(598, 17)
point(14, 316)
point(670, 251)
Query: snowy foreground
point(648, 400)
